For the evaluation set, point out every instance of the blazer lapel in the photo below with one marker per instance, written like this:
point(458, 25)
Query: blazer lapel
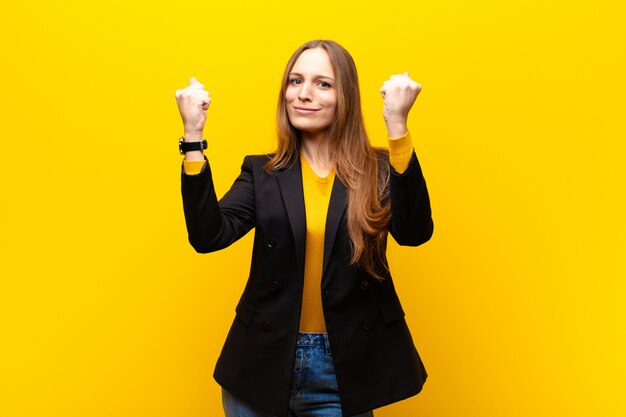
point(336, 209)
point(290, 185)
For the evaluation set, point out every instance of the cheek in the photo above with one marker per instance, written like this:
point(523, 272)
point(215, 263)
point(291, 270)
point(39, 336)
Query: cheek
point(332, 105)
point(332, 114)
point(289, 94)
point(330, 100)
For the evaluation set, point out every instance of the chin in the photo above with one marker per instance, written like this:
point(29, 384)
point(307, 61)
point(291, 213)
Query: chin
point(309, 127)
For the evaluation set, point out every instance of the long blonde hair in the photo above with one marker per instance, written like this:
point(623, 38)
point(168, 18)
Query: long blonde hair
point(357, 162)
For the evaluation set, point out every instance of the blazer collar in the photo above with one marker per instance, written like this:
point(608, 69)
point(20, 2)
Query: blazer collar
point(290, 184)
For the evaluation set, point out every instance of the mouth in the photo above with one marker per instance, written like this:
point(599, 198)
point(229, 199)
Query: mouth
point(305, 110)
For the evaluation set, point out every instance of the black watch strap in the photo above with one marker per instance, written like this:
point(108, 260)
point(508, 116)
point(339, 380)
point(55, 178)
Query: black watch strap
point(190, 146)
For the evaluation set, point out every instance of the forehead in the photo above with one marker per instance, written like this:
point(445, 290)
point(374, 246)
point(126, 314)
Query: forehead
point(314, 62)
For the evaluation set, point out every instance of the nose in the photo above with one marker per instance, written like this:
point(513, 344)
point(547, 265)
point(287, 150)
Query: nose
point(304, 94)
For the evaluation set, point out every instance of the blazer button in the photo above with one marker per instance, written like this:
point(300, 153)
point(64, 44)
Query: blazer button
point(267, 325)
point(367, 325)
point(272, 243)
point(364, 284)
point(274, 285)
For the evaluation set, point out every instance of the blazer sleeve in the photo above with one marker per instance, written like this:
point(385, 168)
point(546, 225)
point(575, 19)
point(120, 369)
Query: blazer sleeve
point(213, 225)
point(411, 219)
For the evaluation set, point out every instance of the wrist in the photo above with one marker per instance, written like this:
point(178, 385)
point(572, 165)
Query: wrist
point(193, 156)
point(187, 146)
point(193, 136)
point(396, 129)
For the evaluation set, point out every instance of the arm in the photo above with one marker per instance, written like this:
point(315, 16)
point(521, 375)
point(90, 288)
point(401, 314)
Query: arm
point(210, 225)
point(411, 220)
point(213, 225)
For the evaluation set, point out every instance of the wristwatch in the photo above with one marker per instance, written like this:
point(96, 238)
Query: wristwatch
point(190, 146)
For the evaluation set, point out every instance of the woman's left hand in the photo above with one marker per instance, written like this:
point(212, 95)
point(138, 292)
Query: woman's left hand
point(399, 94)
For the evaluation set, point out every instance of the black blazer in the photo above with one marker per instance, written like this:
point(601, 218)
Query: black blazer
point(374, 357)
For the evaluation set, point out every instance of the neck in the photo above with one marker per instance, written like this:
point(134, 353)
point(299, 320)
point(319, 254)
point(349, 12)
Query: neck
point(314, 147)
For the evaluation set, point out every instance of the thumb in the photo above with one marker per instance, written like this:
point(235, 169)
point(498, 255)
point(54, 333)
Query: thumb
point(192, 80)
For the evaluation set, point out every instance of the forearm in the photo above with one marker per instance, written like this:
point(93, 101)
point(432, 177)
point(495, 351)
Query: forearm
point(400, 151)
point(213, 225)
point(411, 220)
point(201, 209)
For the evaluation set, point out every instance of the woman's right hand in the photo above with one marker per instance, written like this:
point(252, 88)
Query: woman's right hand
point(193, 103)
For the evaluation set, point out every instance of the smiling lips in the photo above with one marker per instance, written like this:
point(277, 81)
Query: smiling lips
point(305, 110)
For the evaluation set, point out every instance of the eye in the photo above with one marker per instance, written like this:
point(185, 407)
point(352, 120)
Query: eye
point(295, 81)
point(325, 84)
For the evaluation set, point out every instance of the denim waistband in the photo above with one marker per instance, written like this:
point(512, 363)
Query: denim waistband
point(313, 339)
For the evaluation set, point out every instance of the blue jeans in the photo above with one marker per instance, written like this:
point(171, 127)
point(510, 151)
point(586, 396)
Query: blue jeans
point(314, 391)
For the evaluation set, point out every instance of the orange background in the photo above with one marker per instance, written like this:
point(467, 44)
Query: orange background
point(517, 303)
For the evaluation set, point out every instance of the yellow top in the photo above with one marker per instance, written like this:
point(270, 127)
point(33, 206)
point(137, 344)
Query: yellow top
point(317, 192)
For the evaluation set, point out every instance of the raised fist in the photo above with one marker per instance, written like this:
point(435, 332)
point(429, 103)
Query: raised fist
point(399, 93)
point(193, 103)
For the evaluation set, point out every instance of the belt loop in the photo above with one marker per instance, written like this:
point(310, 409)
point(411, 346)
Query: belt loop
point(327, 343)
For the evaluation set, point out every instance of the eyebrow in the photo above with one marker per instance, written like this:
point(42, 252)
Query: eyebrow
point(317, 76)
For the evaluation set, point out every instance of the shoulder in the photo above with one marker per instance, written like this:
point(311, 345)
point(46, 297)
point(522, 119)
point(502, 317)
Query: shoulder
point(257, 160)
point(260, 158)
point(382, 154)
point(260, 162)
point(256, 163)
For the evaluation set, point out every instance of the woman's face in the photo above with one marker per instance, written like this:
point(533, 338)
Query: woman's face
point(311, 96)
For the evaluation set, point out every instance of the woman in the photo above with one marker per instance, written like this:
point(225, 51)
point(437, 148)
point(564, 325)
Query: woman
point(319, 329)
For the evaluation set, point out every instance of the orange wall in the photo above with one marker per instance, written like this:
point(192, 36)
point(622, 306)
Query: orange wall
point(516, 304)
